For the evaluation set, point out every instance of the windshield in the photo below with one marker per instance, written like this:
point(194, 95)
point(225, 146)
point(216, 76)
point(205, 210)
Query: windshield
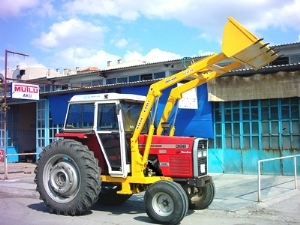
point(80, 116)
point(131, 112)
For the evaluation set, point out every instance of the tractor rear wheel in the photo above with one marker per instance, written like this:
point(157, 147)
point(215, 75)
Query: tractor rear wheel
point(166, 202)
point(200, 198)
point(67, 177)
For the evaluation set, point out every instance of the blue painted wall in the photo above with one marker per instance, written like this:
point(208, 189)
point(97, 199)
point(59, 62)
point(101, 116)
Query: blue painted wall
point(268, 122)
point(245, 162)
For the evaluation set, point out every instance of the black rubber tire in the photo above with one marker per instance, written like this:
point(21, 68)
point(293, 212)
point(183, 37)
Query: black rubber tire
point(200, 198)
point(184, 197)
point(68, 177)
point(169, 193)
point(109, 196)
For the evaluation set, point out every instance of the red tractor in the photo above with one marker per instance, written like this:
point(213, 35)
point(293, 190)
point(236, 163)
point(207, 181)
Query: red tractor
point(107, 149)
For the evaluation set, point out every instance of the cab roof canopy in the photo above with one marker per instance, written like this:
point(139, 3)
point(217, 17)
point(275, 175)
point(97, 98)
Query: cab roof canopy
point(106, 97)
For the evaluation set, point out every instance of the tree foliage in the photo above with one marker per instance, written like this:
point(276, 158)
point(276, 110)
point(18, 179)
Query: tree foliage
point(3, 106)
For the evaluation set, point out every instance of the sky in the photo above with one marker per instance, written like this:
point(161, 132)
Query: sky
point(82, 33)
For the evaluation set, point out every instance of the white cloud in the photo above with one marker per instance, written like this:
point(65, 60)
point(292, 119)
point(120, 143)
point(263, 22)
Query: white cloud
point(84, 57)
point(79, 43)
point(81, 57)
point(21, 8)
point(127, 10)
point(206, 37)
point(23, 62)
point(15, 7)
point(30, 63)
point(204, 53)
point(69, 33)
point(122, 43)
point(45, 8)
point(155, 55)
point(133, 55)
point(208, 16)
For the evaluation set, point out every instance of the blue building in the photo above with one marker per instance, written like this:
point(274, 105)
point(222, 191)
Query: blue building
point(247, 115)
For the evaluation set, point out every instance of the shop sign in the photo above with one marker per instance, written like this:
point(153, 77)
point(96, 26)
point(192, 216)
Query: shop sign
point(25, 91)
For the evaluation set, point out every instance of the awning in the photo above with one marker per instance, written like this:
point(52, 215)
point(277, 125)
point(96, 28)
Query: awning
point(258, 86)
point(58, 105)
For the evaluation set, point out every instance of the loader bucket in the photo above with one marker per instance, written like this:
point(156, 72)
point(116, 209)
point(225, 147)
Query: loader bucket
point(243, 46)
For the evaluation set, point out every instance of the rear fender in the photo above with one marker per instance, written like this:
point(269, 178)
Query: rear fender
point(90, 140)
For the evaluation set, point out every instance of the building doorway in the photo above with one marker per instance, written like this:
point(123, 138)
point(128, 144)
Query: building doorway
point(21, 132)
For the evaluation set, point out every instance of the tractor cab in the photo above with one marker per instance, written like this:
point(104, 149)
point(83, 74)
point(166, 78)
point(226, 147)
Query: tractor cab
point(112, 118)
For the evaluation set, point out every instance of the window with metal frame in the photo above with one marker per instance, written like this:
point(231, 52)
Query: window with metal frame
point(122, 80)
point(12, 125)
point(46, 130)
point(97, 82)
point(134, 78)
point(41, 131)
point(80, 116)
point(111, 80)
point(2, 129)
point(159, 75)
point(257, 124)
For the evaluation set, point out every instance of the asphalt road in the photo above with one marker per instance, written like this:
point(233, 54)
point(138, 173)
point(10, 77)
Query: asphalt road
point(235, 203)
point(30, 210)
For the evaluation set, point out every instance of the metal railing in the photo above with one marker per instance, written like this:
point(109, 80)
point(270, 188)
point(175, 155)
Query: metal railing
point(272, 159)
point(5, 162)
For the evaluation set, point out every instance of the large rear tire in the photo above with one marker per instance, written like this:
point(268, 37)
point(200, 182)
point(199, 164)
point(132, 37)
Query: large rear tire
point(109, 196)
point(166, 202)
point(200, 198)
point(67, 177)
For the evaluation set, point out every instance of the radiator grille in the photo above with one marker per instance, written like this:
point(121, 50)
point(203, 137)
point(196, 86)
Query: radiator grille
point(179, 165)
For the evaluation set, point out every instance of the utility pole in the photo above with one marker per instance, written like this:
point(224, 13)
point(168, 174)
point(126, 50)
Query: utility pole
point(5, 109)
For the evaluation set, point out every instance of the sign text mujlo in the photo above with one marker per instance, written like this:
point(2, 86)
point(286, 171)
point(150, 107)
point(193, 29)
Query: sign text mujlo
point(25, 91)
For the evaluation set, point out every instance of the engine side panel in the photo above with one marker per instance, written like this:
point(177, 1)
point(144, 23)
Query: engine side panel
point(175, 154)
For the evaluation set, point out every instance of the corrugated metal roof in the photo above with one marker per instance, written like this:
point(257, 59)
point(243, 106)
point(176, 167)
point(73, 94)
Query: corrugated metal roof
point(279, 45)
point(266, 69)
point(130, 66)
point(240, 72)
point(101, 87)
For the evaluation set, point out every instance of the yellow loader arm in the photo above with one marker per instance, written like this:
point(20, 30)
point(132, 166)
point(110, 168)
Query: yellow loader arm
point(176, 93)
point(238, 44)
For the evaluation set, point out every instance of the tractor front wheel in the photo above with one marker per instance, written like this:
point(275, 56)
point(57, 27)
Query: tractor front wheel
point(200, 198)
point(166, 202)
point(67, 177)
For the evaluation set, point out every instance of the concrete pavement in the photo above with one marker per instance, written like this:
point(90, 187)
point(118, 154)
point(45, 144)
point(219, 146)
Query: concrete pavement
point(17, 170)
point(233, 191)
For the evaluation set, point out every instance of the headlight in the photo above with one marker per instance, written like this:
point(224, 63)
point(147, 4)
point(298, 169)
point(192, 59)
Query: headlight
point(202, 153)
